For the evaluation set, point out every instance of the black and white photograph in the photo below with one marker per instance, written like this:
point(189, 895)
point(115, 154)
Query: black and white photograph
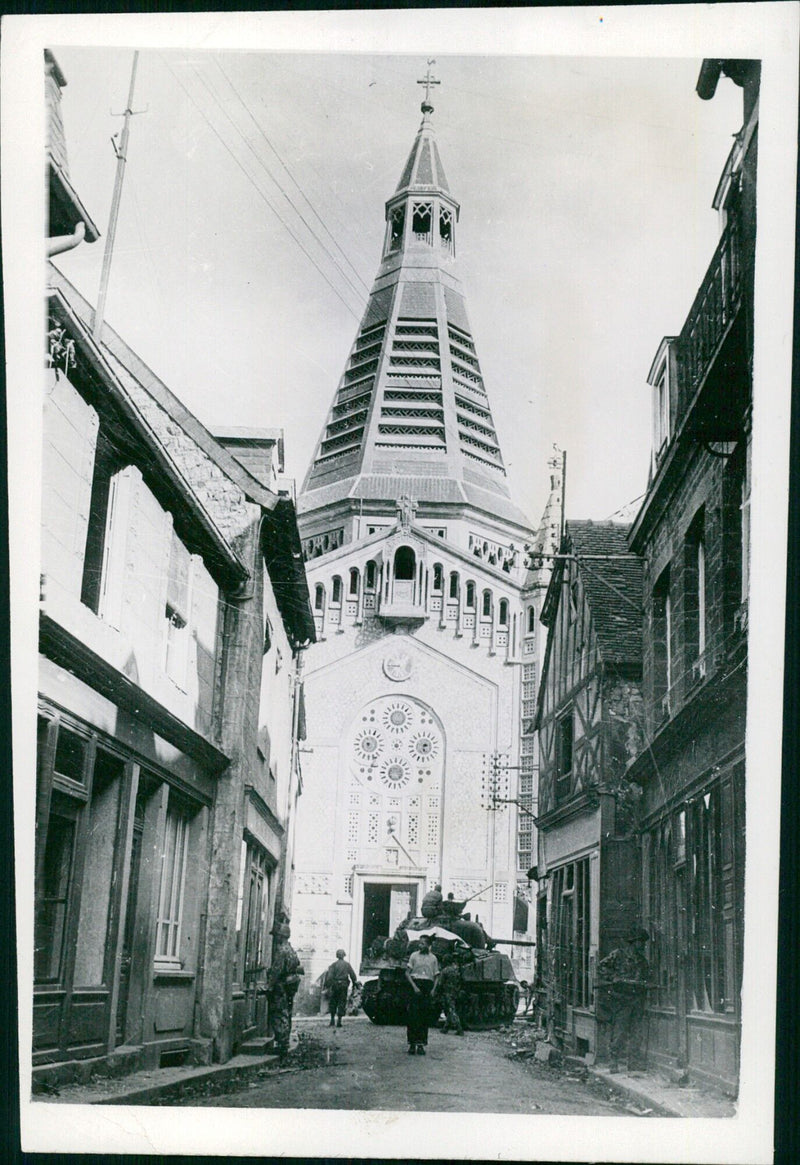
point(398, 475)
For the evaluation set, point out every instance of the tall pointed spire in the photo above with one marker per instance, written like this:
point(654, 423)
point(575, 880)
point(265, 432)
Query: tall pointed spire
point(411, 414)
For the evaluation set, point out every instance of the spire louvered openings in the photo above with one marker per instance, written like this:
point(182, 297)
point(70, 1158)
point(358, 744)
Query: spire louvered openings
point(411, 401)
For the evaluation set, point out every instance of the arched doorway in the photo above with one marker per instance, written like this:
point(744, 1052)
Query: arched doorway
point(405, 571)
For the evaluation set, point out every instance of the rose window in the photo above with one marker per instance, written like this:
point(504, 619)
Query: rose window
point(368, 746)
point(424, 747)
point(395, 772)
point(397, 718)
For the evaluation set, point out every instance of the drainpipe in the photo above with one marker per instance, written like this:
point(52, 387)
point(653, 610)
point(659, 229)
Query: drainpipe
point(280, 903)
point(60, 243)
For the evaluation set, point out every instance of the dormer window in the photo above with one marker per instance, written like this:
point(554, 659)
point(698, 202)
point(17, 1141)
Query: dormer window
point(661, 409)
point(660, 382)
point(421, 221)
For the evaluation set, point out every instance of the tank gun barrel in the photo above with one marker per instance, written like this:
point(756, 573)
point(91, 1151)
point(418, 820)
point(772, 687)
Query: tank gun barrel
point(511, 942)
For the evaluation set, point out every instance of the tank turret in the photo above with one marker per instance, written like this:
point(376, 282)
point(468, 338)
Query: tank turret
point(489, 992)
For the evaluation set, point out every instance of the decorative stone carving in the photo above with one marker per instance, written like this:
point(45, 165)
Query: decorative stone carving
point(312, 884)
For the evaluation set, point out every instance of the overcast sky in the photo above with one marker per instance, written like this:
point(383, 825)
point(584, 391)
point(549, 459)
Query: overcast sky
point(586, 227)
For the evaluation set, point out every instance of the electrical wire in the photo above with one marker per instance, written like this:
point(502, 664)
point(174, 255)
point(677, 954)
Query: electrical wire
point(260, 192)
point(290, 175)
point(215, 98)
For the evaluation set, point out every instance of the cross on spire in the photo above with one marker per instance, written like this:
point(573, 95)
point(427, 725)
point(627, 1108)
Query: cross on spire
point(427, 81)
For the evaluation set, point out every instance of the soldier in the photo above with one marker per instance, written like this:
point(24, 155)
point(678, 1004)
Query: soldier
point(337, 980)
point(623, 975)
point(432, 902)
point(446, 991)
point(283, 979)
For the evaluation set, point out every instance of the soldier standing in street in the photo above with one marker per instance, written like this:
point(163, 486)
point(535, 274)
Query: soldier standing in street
point(283, 979)
point(446, 991)
point(623, 976)
point(337, 981)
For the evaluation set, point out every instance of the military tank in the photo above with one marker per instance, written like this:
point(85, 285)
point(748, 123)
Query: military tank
point(489, 992)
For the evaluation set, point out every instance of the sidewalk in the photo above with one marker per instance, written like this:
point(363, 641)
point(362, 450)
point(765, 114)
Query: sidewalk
point(648, 1090)
point(645, 1092)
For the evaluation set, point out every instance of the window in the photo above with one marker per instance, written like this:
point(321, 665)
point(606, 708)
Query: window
point(745, 523)
point(470, 600)
point(397, 220)
point(405, 563)
point(107, 464)
point(446, 228)
point(502, 613)
point(98, 869)
point(715, 895)
point(694, 600)
point(453, 584)
point(251, 913)
point(531, 620)
point(736, 536)
point(421, 221)
point(438, 576)
point(663, 913)
point(661, 408)
point(353, 591)
point(371, 576)
point(486, 608)
point(569, 934)
point(662, 644)
point(564, 741)
point(53, 894)
point(319, 597)
point(173, 876)
point(336, 591)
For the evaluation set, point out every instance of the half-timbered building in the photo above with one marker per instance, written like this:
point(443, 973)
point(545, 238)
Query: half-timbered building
point(693, 533)
point(589, 723)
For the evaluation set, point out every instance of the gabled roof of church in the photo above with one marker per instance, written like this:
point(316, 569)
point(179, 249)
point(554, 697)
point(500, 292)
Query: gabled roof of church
point(411, 413)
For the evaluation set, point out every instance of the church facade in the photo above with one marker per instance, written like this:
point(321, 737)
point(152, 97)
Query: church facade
point(415, 557)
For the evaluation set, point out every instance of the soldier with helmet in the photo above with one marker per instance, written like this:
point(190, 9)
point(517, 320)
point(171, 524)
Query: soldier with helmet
point(623, 976)
point(283, 979)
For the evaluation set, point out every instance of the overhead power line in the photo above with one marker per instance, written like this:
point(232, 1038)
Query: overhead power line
point(261, 193)
point(323, 246)
point(303, 195)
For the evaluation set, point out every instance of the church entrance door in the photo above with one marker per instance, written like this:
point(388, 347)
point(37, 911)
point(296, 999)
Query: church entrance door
point(386, 904)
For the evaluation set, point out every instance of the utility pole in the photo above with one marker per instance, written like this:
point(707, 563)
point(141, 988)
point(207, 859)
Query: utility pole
point(122, 157)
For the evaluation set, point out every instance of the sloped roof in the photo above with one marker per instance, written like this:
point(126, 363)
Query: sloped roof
point(613, 588)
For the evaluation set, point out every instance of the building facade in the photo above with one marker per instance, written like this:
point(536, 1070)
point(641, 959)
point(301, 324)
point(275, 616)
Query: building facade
point(414, 555)
point(589, 720)
point(173, 612)
point(693, 534)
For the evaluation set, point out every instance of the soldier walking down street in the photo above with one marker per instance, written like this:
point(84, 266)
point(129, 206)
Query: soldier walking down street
point(623, 975)
point(446, 991)
point(337, 981)
point(283, 979)
point(421, 972)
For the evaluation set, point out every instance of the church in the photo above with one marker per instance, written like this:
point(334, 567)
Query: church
point(426, 614)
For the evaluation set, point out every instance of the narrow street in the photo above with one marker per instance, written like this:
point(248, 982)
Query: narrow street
point(363, 1066)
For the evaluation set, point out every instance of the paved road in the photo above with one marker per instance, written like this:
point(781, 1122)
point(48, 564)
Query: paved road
point(369, 1068)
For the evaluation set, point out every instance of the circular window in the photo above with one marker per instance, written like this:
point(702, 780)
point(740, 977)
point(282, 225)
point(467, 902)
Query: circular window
point(424, 747)
point(397, 718)
point(368, 745)
point(395, 772)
